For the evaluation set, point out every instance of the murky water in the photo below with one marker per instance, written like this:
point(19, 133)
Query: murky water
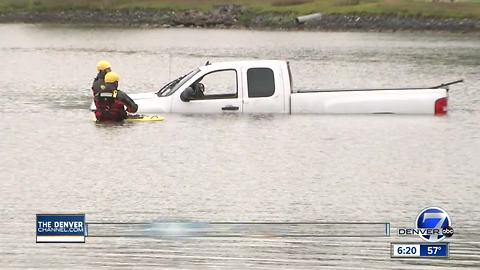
point(263, 168)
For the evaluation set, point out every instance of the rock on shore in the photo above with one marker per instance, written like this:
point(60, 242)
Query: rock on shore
point(234, 16)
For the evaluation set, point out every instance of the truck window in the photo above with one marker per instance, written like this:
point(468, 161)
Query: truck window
point(261, 82)
point(220, 84)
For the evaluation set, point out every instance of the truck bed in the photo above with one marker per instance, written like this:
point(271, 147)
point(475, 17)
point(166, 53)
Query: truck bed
point(368, 101)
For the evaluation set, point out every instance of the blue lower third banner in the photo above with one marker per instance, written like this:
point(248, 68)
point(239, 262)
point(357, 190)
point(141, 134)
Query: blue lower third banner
point(61, 228)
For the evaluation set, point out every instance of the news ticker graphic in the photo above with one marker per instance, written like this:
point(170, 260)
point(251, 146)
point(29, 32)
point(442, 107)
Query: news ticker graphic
point(61, 228)
point(432, 224)
point(179, 229)
point(419, 250)
point(65, 228)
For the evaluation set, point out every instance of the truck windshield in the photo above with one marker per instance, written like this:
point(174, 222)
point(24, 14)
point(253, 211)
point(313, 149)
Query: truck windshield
point(173, 86)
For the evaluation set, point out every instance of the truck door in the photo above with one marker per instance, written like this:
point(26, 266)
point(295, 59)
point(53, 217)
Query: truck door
point(221, 94)
point(264, 89)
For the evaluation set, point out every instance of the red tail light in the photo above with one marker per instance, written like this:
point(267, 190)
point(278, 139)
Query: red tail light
point(441, 106)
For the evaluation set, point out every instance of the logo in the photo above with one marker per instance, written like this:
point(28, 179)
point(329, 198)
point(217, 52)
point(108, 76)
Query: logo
point(58, 228)
point(438, 220)
point(433, 224)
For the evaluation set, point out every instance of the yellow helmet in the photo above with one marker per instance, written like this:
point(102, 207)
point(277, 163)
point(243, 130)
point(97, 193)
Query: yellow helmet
point(112, 77)
point(102, 65)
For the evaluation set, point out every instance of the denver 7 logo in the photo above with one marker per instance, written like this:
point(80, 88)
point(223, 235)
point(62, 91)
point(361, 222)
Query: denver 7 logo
point(433, 218)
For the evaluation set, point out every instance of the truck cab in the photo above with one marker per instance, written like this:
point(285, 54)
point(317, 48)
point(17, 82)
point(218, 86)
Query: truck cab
point(235, 87)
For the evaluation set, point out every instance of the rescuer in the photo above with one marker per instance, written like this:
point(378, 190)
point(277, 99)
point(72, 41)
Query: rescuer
point(103, 67)
point(110, 102)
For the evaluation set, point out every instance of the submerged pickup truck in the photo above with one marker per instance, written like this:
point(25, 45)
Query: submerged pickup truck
point(265, 86)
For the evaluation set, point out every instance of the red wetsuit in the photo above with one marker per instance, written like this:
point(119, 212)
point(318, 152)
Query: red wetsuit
point(110, 105)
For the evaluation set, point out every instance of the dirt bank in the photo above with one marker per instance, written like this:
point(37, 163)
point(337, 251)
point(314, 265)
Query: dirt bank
point(233, 16)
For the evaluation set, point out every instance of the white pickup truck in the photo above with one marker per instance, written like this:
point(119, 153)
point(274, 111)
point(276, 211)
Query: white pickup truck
point(265, 86)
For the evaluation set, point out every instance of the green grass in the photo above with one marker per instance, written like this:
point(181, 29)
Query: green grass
point(458, 9)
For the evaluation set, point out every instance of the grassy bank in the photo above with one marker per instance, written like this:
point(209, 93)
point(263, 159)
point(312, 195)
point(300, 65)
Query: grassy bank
point(425, 8)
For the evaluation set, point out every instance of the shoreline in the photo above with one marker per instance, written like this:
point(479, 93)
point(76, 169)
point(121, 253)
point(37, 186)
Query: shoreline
point(237, 17)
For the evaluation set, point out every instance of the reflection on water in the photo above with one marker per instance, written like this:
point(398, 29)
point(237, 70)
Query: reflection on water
point(237, 168)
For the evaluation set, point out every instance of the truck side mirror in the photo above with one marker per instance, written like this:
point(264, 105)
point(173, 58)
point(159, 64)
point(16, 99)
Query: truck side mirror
point(187, 94)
